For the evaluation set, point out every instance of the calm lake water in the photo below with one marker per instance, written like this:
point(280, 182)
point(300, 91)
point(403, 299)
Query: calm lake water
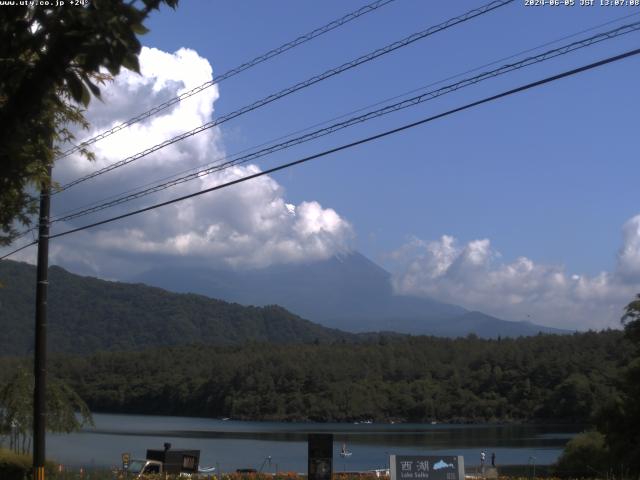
point(234, 444)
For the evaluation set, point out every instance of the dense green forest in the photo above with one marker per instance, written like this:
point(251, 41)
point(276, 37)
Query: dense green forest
point(87, 314)
point(560, 378)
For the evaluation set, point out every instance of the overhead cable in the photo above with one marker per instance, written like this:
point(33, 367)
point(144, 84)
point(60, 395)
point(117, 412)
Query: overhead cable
point(410, 102)
point(294, 88)
point(346, 114)
point(386, 133)
point(234, 71)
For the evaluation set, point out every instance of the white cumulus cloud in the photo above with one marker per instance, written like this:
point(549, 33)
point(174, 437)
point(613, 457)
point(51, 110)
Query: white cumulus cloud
point(248, 225)
point(474, 275)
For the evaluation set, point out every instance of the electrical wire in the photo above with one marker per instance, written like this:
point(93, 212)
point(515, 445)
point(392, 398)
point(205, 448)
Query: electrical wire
point(113, 200)
point(230, 73)
point(362, 141)
point(416, 100)
point(371, 138)
point(344, 115)
point(294, 88)
point(34, 242)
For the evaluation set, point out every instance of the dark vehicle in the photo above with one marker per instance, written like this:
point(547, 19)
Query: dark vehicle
point(166, 461)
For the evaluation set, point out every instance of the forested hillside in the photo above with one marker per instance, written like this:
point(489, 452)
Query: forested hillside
point(87, 314)
point(347, 291)
point(543, 378)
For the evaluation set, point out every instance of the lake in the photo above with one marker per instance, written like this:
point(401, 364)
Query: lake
point(234, 444)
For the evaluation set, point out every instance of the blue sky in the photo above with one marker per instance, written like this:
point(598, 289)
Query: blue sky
point(549, 174)
point(524, 208)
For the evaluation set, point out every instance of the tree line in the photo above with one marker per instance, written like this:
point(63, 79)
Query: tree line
point(611, 449)
point(587, 378)
point(132, 317)
point(560, 378)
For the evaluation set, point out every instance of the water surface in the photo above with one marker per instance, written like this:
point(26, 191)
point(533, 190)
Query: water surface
point(234, 444)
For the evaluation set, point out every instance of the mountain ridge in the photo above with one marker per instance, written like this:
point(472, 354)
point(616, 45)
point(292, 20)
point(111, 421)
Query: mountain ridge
point(349, 292)
point(87, 314)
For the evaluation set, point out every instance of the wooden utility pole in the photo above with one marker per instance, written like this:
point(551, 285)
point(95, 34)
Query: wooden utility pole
point(40, 360)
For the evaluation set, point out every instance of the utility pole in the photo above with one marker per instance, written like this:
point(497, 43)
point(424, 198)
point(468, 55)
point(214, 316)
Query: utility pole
point(40, 360)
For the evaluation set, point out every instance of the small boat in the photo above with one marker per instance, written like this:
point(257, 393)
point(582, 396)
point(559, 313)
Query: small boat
point(344, 452)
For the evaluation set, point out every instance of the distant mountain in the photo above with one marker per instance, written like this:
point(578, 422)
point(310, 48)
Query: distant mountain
point(348, 288)
point(87, 314)
point(484, 326)
point(348, 292)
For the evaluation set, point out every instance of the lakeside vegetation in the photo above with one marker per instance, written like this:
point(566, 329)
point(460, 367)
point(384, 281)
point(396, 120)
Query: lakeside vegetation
point(532, 379)
point(586, 378)
point(53, 473)
point(590, 378)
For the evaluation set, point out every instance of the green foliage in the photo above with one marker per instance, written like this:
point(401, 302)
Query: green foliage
point(66, 411)
point(403, 378)
point(19, 466)
point(585, 456)
point(14, 466)
point(86, 315)
point(305, 371)
point(573, 399)
point(631, 319)
point(52, 61)
point(620, 418)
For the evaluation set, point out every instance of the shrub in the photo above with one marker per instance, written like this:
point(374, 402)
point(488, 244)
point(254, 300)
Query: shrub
point(586, 455)
point(14, 466)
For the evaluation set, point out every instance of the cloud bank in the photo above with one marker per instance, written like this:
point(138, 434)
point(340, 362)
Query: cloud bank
point(252, 225)
point(474, 276)
point(249, 225)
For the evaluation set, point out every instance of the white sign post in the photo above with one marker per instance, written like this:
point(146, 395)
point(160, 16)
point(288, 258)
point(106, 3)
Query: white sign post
point(426, 467)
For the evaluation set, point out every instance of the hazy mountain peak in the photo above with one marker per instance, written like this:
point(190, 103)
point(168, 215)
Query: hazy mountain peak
point(347, 291)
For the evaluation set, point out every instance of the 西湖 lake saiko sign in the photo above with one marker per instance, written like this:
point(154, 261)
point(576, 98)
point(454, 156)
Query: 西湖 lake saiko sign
point(426, 467)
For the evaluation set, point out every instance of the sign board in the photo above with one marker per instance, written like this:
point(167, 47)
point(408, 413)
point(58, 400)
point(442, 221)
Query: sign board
point(189, 462)
point(176, 461)
point(426, 467)
point(125, 460)
point(320, 461)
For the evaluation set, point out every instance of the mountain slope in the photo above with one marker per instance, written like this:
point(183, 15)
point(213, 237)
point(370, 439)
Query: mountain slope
point(87, 314)
point(348, 292)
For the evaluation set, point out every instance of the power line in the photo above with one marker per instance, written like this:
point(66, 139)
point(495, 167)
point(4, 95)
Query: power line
point(211, 168)
point(349, 145)
point(201, 171)
point(380, 102)
point(325, 122)
point(299, 86)
point(475, 69)
point(34, 242)
point(234, 71)
point(386, 133)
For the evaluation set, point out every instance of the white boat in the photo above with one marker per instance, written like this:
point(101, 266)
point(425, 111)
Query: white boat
point(344, 452)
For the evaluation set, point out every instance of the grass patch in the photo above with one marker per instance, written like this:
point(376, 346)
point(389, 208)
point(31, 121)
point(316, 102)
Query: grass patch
point(14, 466)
